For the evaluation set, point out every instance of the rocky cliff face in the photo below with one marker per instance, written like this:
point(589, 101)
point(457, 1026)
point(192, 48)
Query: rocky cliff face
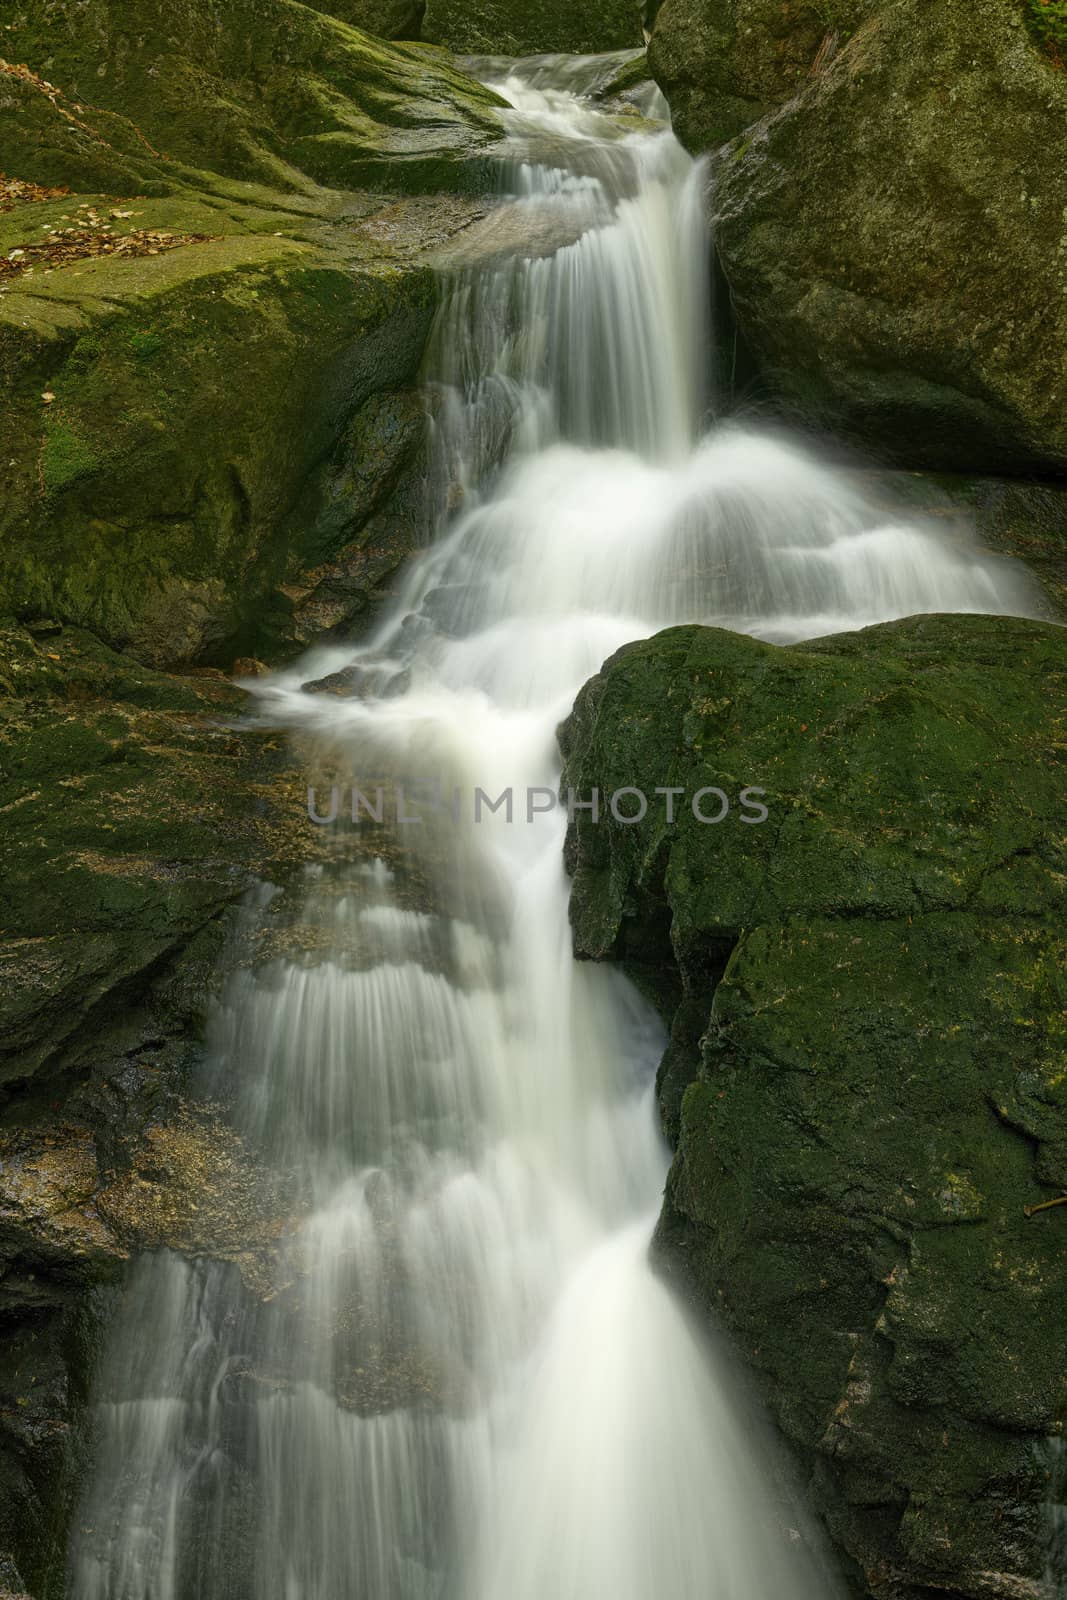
point(865, 1075)
point(892, 230)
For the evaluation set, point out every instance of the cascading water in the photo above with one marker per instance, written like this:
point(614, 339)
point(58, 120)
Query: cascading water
point(463, 1380)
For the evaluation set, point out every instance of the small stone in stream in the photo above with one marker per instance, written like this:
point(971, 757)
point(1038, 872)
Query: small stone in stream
point(362, 682)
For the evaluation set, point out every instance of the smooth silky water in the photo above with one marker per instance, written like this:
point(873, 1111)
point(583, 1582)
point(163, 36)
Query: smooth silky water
point(454, 1375)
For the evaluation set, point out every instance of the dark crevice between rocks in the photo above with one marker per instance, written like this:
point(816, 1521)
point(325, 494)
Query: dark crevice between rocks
point(738, 383)
point(701, 964)
point(677, 975)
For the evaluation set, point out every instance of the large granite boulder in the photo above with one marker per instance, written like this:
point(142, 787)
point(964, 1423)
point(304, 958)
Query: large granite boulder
point(866, 1074)
point(894, 239)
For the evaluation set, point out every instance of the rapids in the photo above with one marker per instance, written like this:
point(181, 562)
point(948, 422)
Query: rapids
point(465, 1381)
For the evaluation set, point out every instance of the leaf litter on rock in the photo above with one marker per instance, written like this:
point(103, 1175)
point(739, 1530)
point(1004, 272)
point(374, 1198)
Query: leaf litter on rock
point(15, 191)
point(97, 239)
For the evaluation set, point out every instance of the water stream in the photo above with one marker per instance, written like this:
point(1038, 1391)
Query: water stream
point(465, 1381)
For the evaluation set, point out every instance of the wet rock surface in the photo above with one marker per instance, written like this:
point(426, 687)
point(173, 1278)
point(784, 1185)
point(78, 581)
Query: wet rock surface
point(1023, 520)
point(865, 1074)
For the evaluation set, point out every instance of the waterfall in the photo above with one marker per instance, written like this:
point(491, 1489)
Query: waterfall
point(455, 1375)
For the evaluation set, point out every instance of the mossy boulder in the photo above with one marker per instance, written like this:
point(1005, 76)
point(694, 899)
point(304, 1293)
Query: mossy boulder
point(533, 27)
point(195, 368)
point(865, 1079)
point(185, 432)
point(137, 811)
point(894, 240)
point(724, 63)
point(274, 92)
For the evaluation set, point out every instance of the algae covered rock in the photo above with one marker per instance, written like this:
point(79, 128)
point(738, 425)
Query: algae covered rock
point(533, 27)
point(865, 1079)
point(169, 418)
point(894, 240)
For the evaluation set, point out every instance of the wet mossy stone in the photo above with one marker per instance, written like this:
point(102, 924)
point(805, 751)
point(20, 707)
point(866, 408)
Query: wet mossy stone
point(137, 811)
point(893, 236)
point(176, 421)
point(867, 1077)
point(533, 27)
point(163, 495)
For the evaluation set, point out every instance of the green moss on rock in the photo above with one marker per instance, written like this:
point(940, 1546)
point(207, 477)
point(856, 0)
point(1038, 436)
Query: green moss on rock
point(212, 410)
point(867, 1070)
point(194, 395)
point(534, 27)
point(274, 92)
point(176, 422)
point(393, 19)
point(135, 813)
point(1047, 21)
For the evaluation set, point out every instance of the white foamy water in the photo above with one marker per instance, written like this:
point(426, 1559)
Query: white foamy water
point(456, 1376)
